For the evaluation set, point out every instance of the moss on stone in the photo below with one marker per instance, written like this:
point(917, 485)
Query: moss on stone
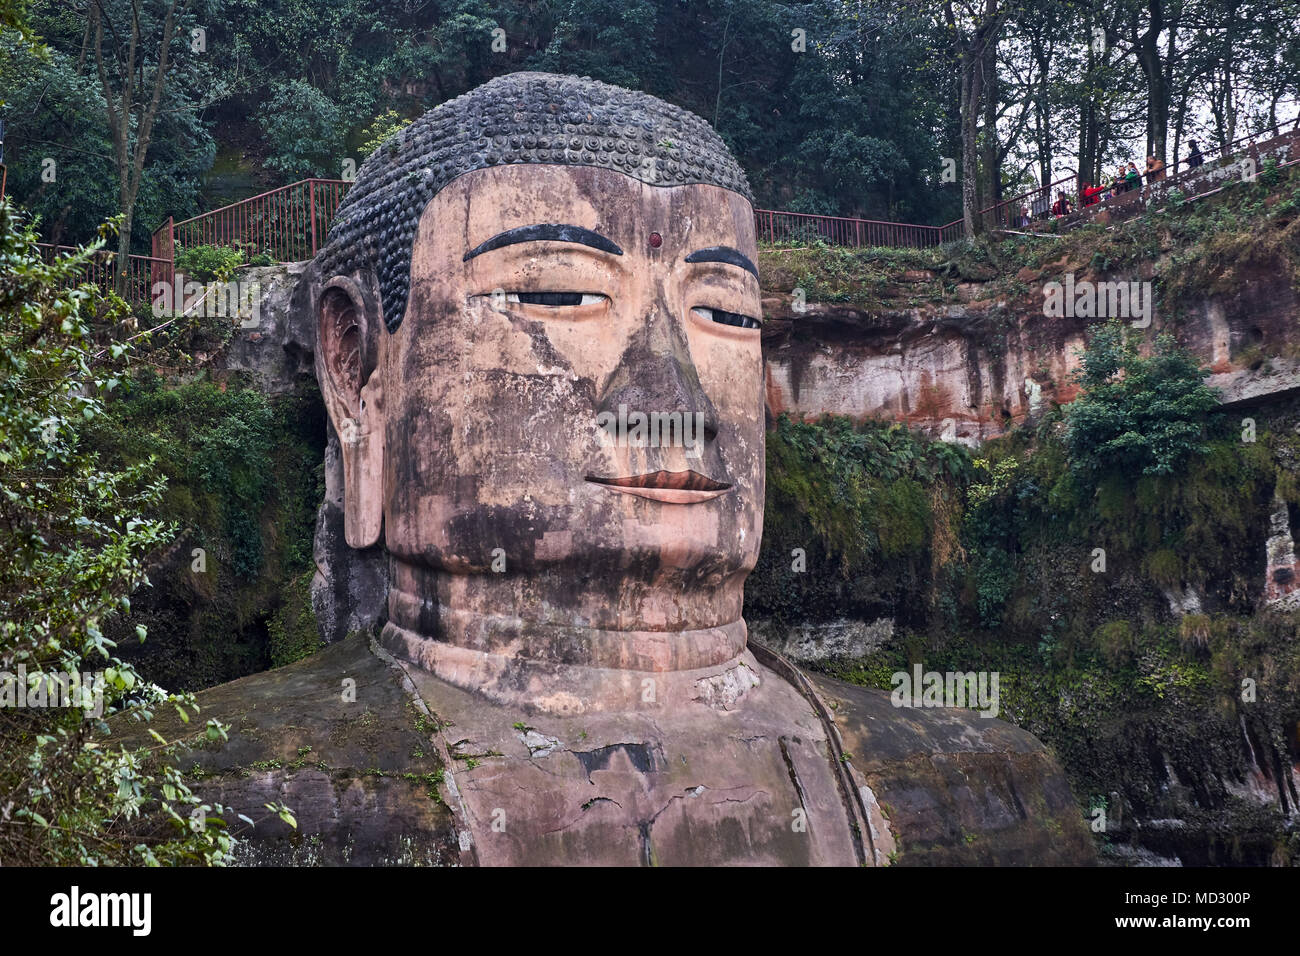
point(244, 478)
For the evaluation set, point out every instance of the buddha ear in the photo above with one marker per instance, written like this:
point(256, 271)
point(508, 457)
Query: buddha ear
point(348, 341)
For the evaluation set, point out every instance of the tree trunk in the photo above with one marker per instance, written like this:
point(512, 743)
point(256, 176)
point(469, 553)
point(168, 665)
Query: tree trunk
point(1147, 49)
point(970, 55)
point(1043, 113)
point(992, 148)
point(971, 77)
point(123, 106)
point(1157, 104)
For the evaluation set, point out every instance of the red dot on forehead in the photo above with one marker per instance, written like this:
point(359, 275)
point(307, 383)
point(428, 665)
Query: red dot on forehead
point(656, 240)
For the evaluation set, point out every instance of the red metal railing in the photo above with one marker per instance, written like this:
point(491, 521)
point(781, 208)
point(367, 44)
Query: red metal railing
point(1037, 205)
point(141, 271)
point(1231, 151)
point(288, 224)
point(1040, 204)
point(773, 226)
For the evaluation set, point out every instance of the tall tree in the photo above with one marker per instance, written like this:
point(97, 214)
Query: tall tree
point(973, 26)
point(132, 48)
point(1150, 29)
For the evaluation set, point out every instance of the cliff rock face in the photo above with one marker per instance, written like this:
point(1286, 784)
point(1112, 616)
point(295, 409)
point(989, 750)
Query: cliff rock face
point(967, 371)
point(277, 351)
point(349, 588)
point(961, 372)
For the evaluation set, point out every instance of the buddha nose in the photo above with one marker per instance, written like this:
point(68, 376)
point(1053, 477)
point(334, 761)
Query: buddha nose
point(656, 374)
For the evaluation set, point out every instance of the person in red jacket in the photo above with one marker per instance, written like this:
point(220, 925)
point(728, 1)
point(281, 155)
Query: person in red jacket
point(1090, 194)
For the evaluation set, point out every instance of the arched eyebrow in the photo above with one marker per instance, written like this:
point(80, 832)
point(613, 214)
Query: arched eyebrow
point(732, 257)
point(555, 232)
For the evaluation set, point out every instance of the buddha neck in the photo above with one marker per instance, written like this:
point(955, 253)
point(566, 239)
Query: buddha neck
point(582, 647)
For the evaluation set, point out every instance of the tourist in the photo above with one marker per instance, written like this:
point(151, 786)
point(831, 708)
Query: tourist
point(1024, 217)
point(1155, 170)
point(1193, 155)
point(1090, 194)
point(1132, 178)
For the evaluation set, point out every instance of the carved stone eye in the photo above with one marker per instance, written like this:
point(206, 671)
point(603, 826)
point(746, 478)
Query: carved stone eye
point(555, 299)
point(729, 318)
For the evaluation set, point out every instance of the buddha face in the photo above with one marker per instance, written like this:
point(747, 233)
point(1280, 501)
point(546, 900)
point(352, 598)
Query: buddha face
point(569, 417)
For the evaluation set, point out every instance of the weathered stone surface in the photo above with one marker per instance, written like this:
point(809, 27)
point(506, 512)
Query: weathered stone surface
point(966, 372)
point(763, 781)
point(279, 350)
point(960, 372)
point(522, 537)
point(955, 787)
point(694, 783)
point(360, 775)
point(349, 591)
point(810, 643)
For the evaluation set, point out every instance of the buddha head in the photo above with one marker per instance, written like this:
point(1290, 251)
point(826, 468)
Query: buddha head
point(538, 343)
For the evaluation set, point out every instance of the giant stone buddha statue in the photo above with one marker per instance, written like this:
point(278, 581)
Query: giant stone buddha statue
point(563, 676)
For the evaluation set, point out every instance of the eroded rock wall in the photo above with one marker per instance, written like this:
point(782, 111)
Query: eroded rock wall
point(966, 371)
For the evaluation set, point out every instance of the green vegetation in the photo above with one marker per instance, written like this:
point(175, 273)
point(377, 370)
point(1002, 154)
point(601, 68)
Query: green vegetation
point(76, 535)
point(244, 478)
point(1138, 413)
point(292, 633)
point(216, 263)
point(831, 127)
point(1204, 247)
point(386, 124)
point(304, 131)
point(872, 503)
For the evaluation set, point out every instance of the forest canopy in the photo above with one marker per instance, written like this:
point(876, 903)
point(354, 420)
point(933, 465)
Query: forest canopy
point(872, 109)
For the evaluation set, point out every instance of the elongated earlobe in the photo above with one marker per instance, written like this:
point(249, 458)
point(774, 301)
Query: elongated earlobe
point(346, 360)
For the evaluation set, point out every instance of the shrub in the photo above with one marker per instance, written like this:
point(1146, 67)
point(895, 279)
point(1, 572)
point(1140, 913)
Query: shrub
point(1137, 414)
point(293, 632)
point(1116, 641)
point(864, 504)
point(75, 536)
point(386, 124)
point(208, 263)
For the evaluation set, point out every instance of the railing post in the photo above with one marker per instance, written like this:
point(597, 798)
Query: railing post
point(163, 244)
point(311, 190)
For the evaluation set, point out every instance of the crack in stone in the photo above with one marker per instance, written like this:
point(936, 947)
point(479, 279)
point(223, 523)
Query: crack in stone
point(794, 774)
point(644, 827)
